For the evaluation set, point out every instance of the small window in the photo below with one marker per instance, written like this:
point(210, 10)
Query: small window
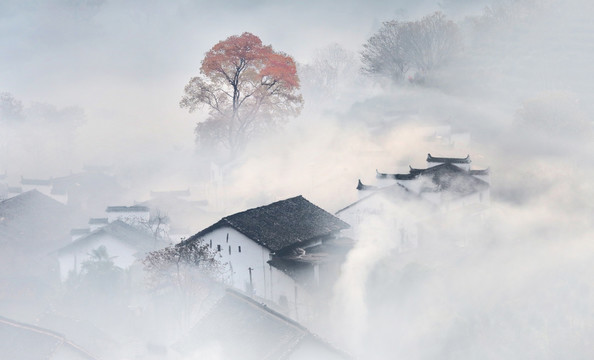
point(229, 249)
point(239, 248)
point(227, 237)
point(218, 247)
point(210, 241)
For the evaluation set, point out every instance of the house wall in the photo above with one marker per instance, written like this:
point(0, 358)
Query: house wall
point(123, 255)
point(267, 282)
point(61, 198)
point(399, 222)
point(482, 197)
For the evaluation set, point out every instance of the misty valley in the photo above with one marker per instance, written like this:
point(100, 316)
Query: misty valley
point(315, 180)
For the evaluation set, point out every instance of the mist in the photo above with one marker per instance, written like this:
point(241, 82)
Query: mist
point(97, 83)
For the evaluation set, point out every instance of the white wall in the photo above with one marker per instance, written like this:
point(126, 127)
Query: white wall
point(268, 282)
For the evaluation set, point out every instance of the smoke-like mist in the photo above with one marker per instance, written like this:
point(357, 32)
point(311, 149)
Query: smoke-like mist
point(98, 82)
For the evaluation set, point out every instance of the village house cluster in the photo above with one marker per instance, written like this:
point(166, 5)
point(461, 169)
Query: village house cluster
point(281, 260)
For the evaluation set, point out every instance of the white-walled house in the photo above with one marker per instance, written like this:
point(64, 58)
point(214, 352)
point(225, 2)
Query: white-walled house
point(130, 214)
point(405, 202)
point(42, 185)
point(272, 251)
point(125, 243)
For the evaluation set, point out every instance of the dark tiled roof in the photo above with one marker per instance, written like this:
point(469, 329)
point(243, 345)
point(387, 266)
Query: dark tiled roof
point(137, 238)
point(479, 172)
point(35, 221)
point(24, 341)
point(281, 224)
point(465, 160)
point(93, 221)
point(361, 186)
point(242, 328)
point(298, 263)
point(135, 208)
point(15, 189)
point(445, 177)
point(452, 179)
point(413, 173)
point(79, 231)
point(395, 193)
point(36, 182)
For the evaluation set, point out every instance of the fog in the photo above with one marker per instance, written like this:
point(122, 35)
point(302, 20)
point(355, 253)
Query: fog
point(98, 83)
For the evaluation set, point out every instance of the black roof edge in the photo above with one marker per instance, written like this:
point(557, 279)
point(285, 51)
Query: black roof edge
point(465, 160)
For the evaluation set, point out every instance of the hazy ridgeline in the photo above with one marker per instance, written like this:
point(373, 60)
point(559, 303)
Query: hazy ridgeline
point(99, 82)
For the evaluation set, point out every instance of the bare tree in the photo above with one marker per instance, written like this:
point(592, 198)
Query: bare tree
point(11, 109)
point(332, 67)
point(431, 42)
point(383, 53)
point(186, 273)
point(402, 46)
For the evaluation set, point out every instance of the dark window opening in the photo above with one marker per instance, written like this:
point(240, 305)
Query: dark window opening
point(210, 241)
point(239, 249)
point(229, 249)
point(227, 237)
point(218, 247)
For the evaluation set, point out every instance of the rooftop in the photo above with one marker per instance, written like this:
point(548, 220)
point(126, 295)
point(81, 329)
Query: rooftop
point(93, 221)
point(245, 329)
point(136, 238)
point(465, 160)
point(24, 341)
point(36, 221)
point(134, 208)
point(281, 224)
point(44, 182)
point(449, 178)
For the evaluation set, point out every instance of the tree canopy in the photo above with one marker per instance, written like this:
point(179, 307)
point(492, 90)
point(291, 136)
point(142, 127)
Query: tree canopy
point(416, 45)
point(247, 88)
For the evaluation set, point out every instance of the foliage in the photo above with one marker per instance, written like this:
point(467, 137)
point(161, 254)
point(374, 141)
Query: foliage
point(169, 266)
point(11, 109)
point(247, 88)
point(331, 67)
point(420, 45)
point(100, 272)
point(185, 274)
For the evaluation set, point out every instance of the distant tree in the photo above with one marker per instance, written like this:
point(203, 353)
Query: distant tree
point(331, 66)
point(99, 272)
point(157, 225)
point(11, 109)
point(185, 272)
point(420, 45)
point(247, 88)
point(383, 54)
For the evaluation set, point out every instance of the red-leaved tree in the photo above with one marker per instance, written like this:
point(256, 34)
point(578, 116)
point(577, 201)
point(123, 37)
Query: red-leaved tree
point(247, 87)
